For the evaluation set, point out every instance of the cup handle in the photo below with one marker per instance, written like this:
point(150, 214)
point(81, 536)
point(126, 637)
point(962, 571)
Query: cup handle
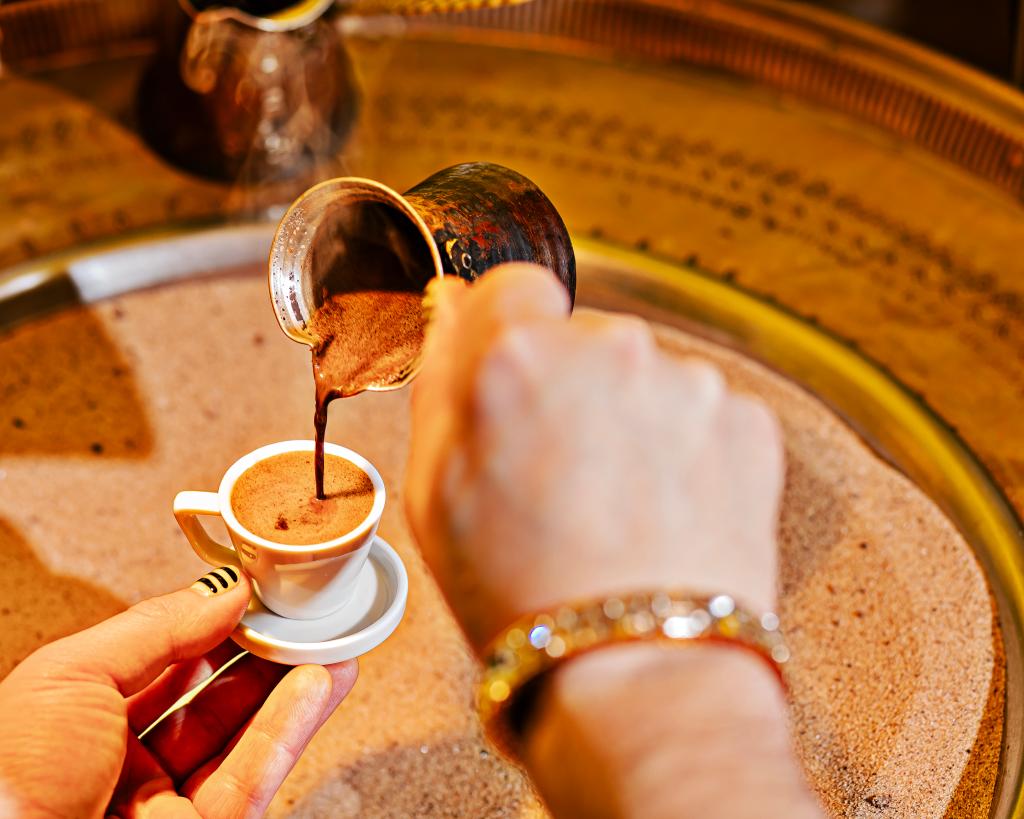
point(187, 508)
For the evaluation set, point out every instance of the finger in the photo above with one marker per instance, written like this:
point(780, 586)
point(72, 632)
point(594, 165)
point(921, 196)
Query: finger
point(245, 781)
point(465, 323)
point(160, 804)
point(464, 319)
point(144, 790)
point(431, 414)
point(518, 292)
point(149, 704)
point(198, 731)
point(343, 677)
point(752, 451)
point(697, 391)
point(444, 300)
point(510, 296)
point(594, 343)
point(467, 319)
point(131, 649)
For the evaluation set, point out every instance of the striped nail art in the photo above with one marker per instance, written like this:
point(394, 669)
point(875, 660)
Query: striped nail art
point(217, 581)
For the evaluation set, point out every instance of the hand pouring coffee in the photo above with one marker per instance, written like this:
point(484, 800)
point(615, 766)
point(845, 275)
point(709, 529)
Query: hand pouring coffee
point(351, 259)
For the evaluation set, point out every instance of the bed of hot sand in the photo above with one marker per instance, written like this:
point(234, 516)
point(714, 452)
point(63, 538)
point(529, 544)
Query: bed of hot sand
point(896, 677)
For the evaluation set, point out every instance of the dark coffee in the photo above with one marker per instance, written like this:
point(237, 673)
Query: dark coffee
point(372, 266)
point(276, 499)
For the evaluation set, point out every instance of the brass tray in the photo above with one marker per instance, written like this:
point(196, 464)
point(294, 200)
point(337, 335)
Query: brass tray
point(835, 201)
point(891, 419)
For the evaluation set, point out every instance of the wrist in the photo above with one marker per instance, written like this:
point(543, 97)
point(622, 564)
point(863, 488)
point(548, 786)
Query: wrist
point(670, 730)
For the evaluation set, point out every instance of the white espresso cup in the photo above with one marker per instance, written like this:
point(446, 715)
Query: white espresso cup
point(304, 581)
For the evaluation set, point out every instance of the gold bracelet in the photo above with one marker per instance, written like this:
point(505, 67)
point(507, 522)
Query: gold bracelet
point(536, 643)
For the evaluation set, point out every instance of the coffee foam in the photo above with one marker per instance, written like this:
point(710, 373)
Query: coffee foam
point(276, 499)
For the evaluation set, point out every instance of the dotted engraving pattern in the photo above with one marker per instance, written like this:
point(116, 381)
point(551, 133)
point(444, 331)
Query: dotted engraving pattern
point(742, 188)
point(686, 35)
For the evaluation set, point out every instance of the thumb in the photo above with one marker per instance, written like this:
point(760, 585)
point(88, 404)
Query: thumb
point(431, 411)
point(131, 649)
point(443, 303)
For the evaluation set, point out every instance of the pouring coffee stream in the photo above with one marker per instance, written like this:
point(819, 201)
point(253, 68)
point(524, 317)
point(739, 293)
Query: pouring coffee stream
point(369, 322)
point(351, 260)
point(349, 353)
point(340, 362)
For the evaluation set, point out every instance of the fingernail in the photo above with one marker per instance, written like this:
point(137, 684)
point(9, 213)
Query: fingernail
point(217, 581)
point(437, 299)
point(432, 298)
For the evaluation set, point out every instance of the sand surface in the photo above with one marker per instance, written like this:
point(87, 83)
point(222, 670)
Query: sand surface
point(106, 412)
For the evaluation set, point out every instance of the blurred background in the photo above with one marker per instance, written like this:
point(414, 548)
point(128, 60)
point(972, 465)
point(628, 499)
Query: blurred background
point(983, 33)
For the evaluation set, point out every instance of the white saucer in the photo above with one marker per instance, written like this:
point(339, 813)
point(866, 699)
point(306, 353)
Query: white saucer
point(365, 622)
